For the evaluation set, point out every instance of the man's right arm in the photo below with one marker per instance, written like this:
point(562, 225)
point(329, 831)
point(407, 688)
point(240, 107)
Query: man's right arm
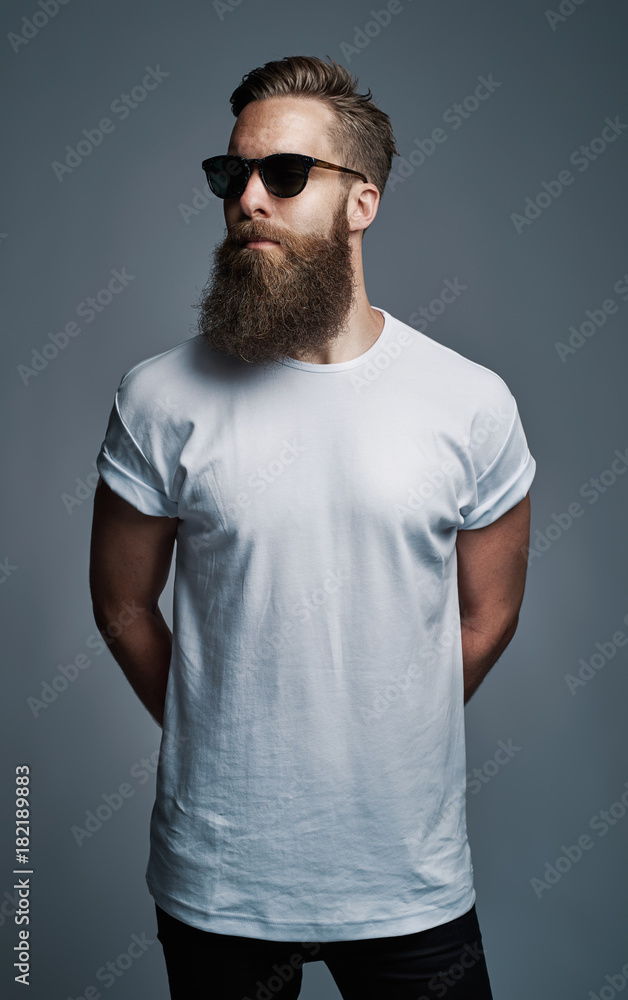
point(130, 559)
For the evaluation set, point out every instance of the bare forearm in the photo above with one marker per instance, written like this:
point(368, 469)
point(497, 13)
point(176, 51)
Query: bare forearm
point(143, 649)
point(480, 651)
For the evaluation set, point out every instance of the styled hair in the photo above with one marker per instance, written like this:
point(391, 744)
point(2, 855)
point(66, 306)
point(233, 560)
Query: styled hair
point(360, 131)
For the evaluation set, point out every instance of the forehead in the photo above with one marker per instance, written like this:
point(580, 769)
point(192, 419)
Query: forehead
point(282, 125)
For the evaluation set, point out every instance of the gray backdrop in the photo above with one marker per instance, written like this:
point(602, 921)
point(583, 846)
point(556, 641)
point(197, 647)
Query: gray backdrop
point(544, 304)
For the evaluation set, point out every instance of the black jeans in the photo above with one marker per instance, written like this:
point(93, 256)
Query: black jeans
point(444, 961)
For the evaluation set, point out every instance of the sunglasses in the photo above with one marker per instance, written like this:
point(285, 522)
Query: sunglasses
point(283, 174)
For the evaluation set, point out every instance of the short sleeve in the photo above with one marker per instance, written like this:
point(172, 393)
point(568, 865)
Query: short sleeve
point(128, 472)
point(502, 463)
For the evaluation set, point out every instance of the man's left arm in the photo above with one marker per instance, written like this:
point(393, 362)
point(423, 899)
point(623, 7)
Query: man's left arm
point(491, 582)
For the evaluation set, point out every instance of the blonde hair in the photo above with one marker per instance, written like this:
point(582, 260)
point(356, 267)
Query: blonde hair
point(361, 132)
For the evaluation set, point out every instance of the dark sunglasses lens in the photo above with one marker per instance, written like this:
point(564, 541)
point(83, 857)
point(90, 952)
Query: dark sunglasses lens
point(285, 174)
point(226, 176)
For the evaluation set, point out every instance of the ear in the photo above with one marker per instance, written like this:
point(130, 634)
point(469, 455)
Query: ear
point(362, 206)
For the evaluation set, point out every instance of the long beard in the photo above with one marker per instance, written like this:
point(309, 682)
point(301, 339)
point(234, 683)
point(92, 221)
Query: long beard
point(261, 305)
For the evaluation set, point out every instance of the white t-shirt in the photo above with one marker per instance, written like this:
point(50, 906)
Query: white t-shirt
point(312, 779)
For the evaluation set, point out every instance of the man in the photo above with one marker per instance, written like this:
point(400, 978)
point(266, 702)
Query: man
point(320, 464)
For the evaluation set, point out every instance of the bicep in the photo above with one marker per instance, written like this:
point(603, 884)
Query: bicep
point(130, 552)
point(492, 568)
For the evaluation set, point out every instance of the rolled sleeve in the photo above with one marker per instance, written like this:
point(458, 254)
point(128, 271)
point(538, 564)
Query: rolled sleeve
point(128, 472)
point(506, 479)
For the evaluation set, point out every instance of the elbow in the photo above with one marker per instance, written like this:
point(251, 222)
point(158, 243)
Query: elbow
point(114, 616)
point(496, 631)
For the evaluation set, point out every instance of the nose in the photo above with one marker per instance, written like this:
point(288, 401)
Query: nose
point(255, 198)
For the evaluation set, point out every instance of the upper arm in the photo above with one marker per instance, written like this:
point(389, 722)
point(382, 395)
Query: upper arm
point(492, 569)
point(130, 553)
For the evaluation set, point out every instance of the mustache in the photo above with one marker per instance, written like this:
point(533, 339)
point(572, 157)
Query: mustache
point(242, 232)
point(298, 246)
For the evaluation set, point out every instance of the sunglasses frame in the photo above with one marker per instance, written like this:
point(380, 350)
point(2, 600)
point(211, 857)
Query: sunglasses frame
point(307, 161)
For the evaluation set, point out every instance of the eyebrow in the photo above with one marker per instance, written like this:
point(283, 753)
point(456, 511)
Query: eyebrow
point(274, 152)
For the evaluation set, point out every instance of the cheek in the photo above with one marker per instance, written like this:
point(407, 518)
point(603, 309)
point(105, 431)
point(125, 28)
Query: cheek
point(305, 215)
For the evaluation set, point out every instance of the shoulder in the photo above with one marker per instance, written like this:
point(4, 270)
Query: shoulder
point(460, 381)
point(160, 383)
